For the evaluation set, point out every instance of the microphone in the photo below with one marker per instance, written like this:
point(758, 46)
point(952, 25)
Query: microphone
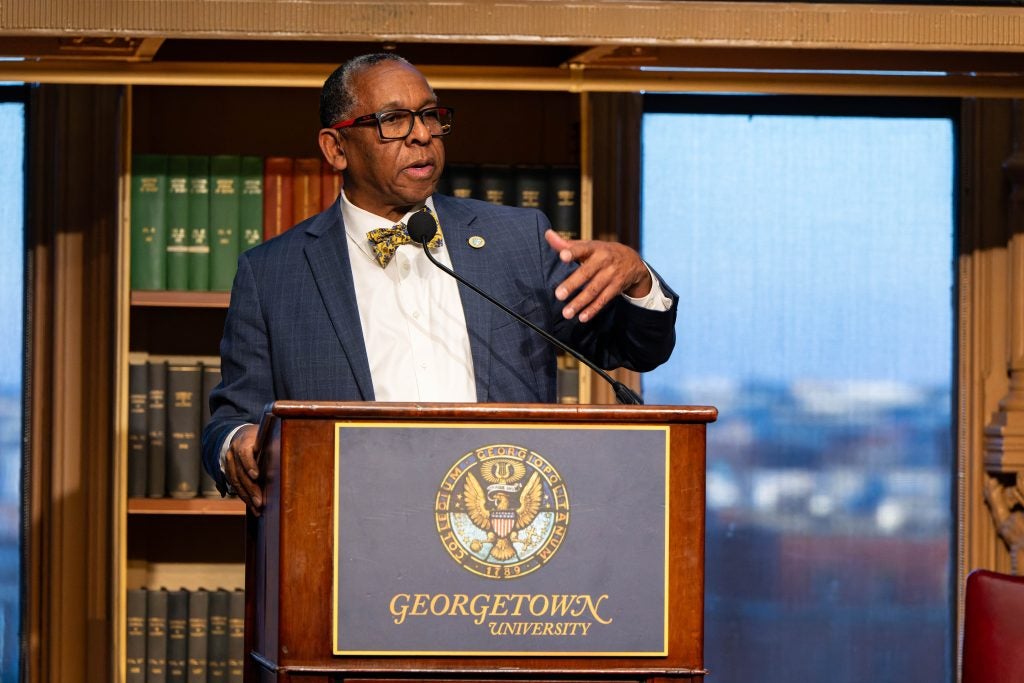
point(422, 227)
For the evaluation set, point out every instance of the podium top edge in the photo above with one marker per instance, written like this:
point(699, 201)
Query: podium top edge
point(492, 412)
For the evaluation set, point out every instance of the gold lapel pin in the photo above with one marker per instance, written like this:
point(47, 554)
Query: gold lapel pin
point(476, 241)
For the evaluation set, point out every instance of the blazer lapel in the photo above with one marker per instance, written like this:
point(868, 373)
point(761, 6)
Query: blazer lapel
point(328, 260)
point(470, 263)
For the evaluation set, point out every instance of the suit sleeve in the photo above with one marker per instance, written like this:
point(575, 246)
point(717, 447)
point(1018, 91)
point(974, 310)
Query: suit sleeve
point(622, 335)
point(246, 385)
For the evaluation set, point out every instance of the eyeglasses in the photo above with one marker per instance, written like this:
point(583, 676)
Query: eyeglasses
point(395, 124)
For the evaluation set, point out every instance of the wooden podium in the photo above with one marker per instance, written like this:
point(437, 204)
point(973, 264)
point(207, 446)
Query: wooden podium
point(292, 562)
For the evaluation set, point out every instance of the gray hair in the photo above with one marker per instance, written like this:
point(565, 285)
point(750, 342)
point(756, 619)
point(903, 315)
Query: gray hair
point(336, 98)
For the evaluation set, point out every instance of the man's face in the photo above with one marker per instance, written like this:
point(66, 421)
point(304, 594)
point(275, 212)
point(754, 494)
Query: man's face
point(390, 177)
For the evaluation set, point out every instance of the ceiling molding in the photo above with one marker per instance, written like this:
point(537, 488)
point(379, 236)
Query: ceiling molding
point(594, 22)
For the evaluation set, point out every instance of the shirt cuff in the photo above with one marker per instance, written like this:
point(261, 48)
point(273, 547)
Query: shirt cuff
point(655, 300)
point(224, 447)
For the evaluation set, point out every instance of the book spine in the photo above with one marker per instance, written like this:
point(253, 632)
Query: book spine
point(278, 195)
point(217, 647)
point(496, 184)
point(211, 378)
point(177, 636)
point(250, 202)
point(198, 625)
point(199, 223)
point(236, 636)
point(567, 379)
point(306, 188)
point(177, 222)
point(224, 242)
point(149, 221)
point(135, 638)
point(330, 185)
point(462, 181)
point(156, 425)
point(138, 439)
point(184, 389)
point(156, 636)
point(565, 201)
point(531, 187)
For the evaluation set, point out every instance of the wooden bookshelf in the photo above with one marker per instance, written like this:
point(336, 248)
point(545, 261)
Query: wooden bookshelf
point(181, 299)
point(191, 506)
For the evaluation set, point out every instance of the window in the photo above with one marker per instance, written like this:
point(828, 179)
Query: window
point(12, 181)
point(811, 241)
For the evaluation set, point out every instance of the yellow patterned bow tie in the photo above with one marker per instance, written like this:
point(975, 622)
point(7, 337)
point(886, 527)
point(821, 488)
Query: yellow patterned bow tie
point(387, 240)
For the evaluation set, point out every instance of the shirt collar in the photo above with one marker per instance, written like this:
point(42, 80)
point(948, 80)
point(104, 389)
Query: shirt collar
point(358, 222)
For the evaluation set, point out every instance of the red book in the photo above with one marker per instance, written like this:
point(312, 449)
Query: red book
point(278, 214)
point(306, 188)
point(330, 185)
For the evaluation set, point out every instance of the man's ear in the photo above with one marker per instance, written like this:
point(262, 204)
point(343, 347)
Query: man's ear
point(332, 144)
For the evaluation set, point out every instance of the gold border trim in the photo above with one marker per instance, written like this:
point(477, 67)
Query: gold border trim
point(338, 426)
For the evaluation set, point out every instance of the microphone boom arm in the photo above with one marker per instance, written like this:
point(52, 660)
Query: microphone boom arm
point(623, 394)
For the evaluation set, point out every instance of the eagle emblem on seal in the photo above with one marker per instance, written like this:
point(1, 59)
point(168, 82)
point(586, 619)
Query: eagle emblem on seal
point(502, 511)
point(505, 506)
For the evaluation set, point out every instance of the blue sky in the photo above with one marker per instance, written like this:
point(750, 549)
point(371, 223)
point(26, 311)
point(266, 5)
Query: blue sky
point(12, 157)
point(803, 248)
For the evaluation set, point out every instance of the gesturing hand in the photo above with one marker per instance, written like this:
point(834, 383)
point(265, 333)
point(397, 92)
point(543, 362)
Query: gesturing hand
point(606, 270)
point(241, 470)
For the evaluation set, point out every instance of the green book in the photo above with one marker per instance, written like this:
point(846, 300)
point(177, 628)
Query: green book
point(250, 203)
point(177, 222)
point(564, 195)
point(156, 636)
point(138, 437)
point(236, 636)
point(199, 223)
point(211, 378)
point(217, 642)
point(184, 391)
point(177, 636)
point(224, 205)
point(156, 429)
point(198, 624)
point(149, 221)
point(135, 638)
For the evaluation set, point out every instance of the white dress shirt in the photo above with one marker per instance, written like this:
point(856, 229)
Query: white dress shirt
point(413, 324)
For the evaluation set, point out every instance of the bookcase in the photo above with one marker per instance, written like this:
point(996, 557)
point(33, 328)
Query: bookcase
point(197, 543)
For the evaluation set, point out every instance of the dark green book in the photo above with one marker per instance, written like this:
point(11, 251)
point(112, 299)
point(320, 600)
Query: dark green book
point(496, 184)
point(156, 636)
point(199, 223)
point(149, 221)
point(531, 187)
point(462, 180)
point(138, 439)
point(177, 636)
point(250, 203)
point(156, 421)
point(135, 639)
point(177, 222)
point(564, 193)
point(184, 392)
point(217, 643)
point(224, 239)
point(198, 625)
point(236, 636)
point(211, 378)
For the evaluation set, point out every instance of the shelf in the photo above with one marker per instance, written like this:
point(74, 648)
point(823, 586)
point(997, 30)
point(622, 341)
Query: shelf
point(190, 506)
point(181, 299)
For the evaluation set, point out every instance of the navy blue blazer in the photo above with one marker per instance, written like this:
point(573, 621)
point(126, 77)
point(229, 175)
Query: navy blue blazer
point(293, 331)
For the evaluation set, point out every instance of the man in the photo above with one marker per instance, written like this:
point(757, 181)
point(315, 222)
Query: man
point(324, 313)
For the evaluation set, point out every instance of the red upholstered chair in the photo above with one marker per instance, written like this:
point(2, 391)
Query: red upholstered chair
point(993, 628)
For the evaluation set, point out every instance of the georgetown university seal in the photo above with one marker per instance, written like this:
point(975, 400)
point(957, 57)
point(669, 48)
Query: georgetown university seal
point(502, 511)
